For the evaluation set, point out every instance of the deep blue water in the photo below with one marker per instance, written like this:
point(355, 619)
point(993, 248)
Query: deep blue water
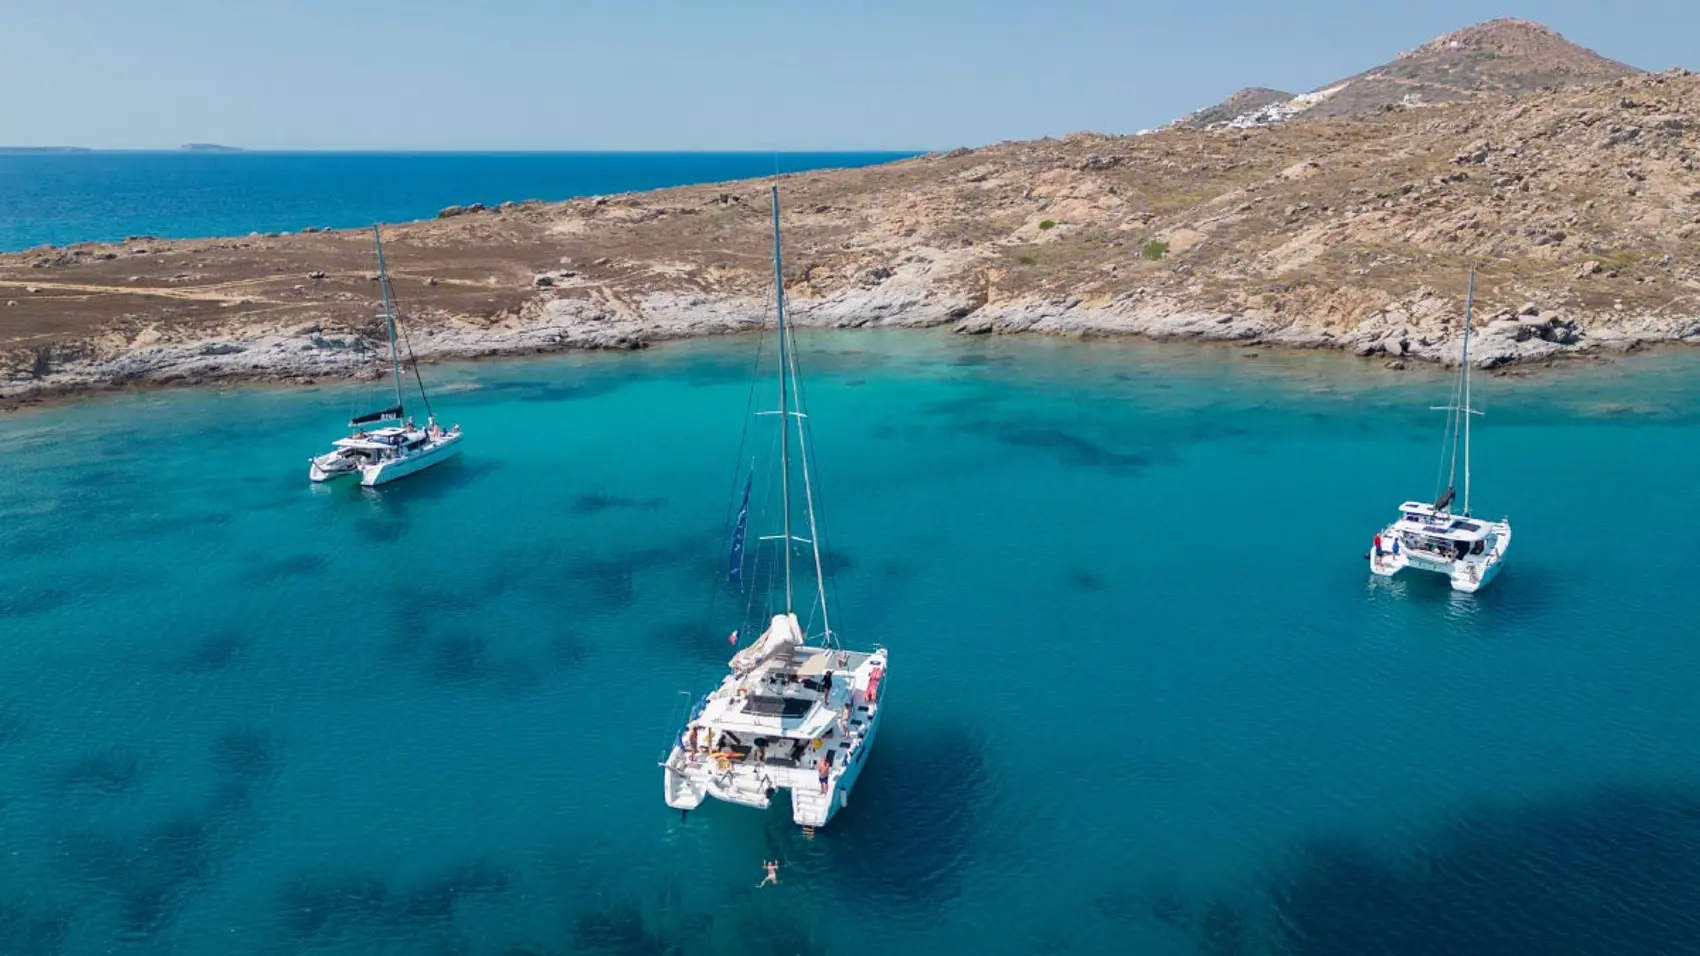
point(1145, 697)
point(62, 198)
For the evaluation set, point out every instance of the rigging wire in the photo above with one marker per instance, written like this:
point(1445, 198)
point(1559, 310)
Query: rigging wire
point(1449, 436)
point(415, 362)
point(738, 471)
point(819, 495)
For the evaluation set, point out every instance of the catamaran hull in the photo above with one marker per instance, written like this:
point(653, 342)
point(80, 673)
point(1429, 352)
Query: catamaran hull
point(806, 815)
point(1469, 575)
point(387, 471)
point(689, 780)
point(808, 807)
point(1472, 576)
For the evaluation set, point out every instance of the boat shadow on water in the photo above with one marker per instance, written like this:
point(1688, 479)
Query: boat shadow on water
point(433, 484)
point(912, 828)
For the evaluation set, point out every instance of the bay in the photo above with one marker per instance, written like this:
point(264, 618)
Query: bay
point(1145, 696)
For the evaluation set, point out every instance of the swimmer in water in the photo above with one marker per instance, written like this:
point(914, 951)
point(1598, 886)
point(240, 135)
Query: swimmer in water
point(772, 868)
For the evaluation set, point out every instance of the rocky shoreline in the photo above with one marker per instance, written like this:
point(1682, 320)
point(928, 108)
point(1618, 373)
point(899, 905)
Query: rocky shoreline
point(310, 353)
point(1576, 207)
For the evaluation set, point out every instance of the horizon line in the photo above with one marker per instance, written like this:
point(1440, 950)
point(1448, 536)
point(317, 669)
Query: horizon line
point(228, 150)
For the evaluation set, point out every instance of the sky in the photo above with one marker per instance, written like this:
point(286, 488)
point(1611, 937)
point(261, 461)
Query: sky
point(707, 74)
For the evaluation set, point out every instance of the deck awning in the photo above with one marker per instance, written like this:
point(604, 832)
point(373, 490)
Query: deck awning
point(815, 664)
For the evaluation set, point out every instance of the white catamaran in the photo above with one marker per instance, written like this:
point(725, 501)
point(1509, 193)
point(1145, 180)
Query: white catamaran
point(386, 445)
point(1428, 537)
point(797, 712)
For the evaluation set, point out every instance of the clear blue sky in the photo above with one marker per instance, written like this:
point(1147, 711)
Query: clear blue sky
point(706, 74)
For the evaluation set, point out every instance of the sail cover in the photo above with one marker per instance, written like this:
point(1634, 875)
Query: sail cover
point(1445, 500)
point(386, 415)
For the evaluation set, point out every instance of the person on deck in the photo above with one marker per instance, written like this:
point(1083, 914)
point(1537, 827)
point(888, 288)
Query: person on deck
point(824, 769)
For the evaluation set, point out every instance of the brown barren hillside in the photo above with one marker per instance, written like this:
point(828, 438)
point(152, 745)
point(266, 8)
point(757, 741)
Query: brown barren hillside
point(1504, 56)
point(1499, 56)
point(1581, 208)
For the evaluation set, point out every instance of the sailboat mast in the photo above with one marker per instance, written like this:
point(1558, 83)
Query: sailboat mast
point(784, 405)
point(389, 314)
point(809, 506)
point(1469, 307)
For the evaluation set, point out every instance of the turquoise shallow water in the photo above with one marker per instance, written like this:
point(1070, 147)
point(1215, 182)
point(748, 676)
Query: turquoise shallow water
point(1145, 696)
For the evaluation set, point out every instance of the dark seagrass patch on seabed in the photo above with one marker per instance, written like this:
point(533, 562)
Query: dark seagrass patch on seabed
point(212, 653)
point(602, 584)
point(150, 526)
point(1085, 580)
point(1213, 925)
point(26, 930)
point(267, 571)
point(596, 502)
point(980, 360)
point(463, 659)
point(691, 639)
point(777, 930)
point(382, 528)
point(1070, 448)
point(245, 755)
point(11, 724)
point(458, 658)
point(24, 600)
point(836, 561)
point(103, 772)
point(324, 906)
point(689, 553)
point(148, 876)
point(454, 652)
point(1614, 872)
point(569, 648)
point(619, 927)
point(542, 392)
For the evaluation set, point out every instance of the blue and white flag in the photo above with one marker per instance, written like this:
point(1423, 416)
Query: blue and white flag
point(736, 572)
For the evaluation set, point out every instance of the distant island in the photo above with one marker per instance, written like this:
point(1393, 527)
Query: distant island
point(185, 148)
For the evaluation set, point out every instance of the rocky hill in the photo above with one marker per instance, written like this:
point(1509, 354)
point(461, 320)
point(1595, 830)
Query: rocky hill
point(1242, 103)
point(1502, 56)
point(1579, 206)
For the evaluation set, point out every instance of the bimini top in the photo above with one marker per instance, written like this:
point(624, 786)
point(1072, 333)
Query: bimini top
point(381, 439)
point(1420, 517)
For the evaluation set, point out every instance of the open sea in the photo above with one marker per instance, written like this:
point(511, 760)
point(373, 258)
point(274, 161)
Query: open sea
point(1145, 697)
point(61, 198)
